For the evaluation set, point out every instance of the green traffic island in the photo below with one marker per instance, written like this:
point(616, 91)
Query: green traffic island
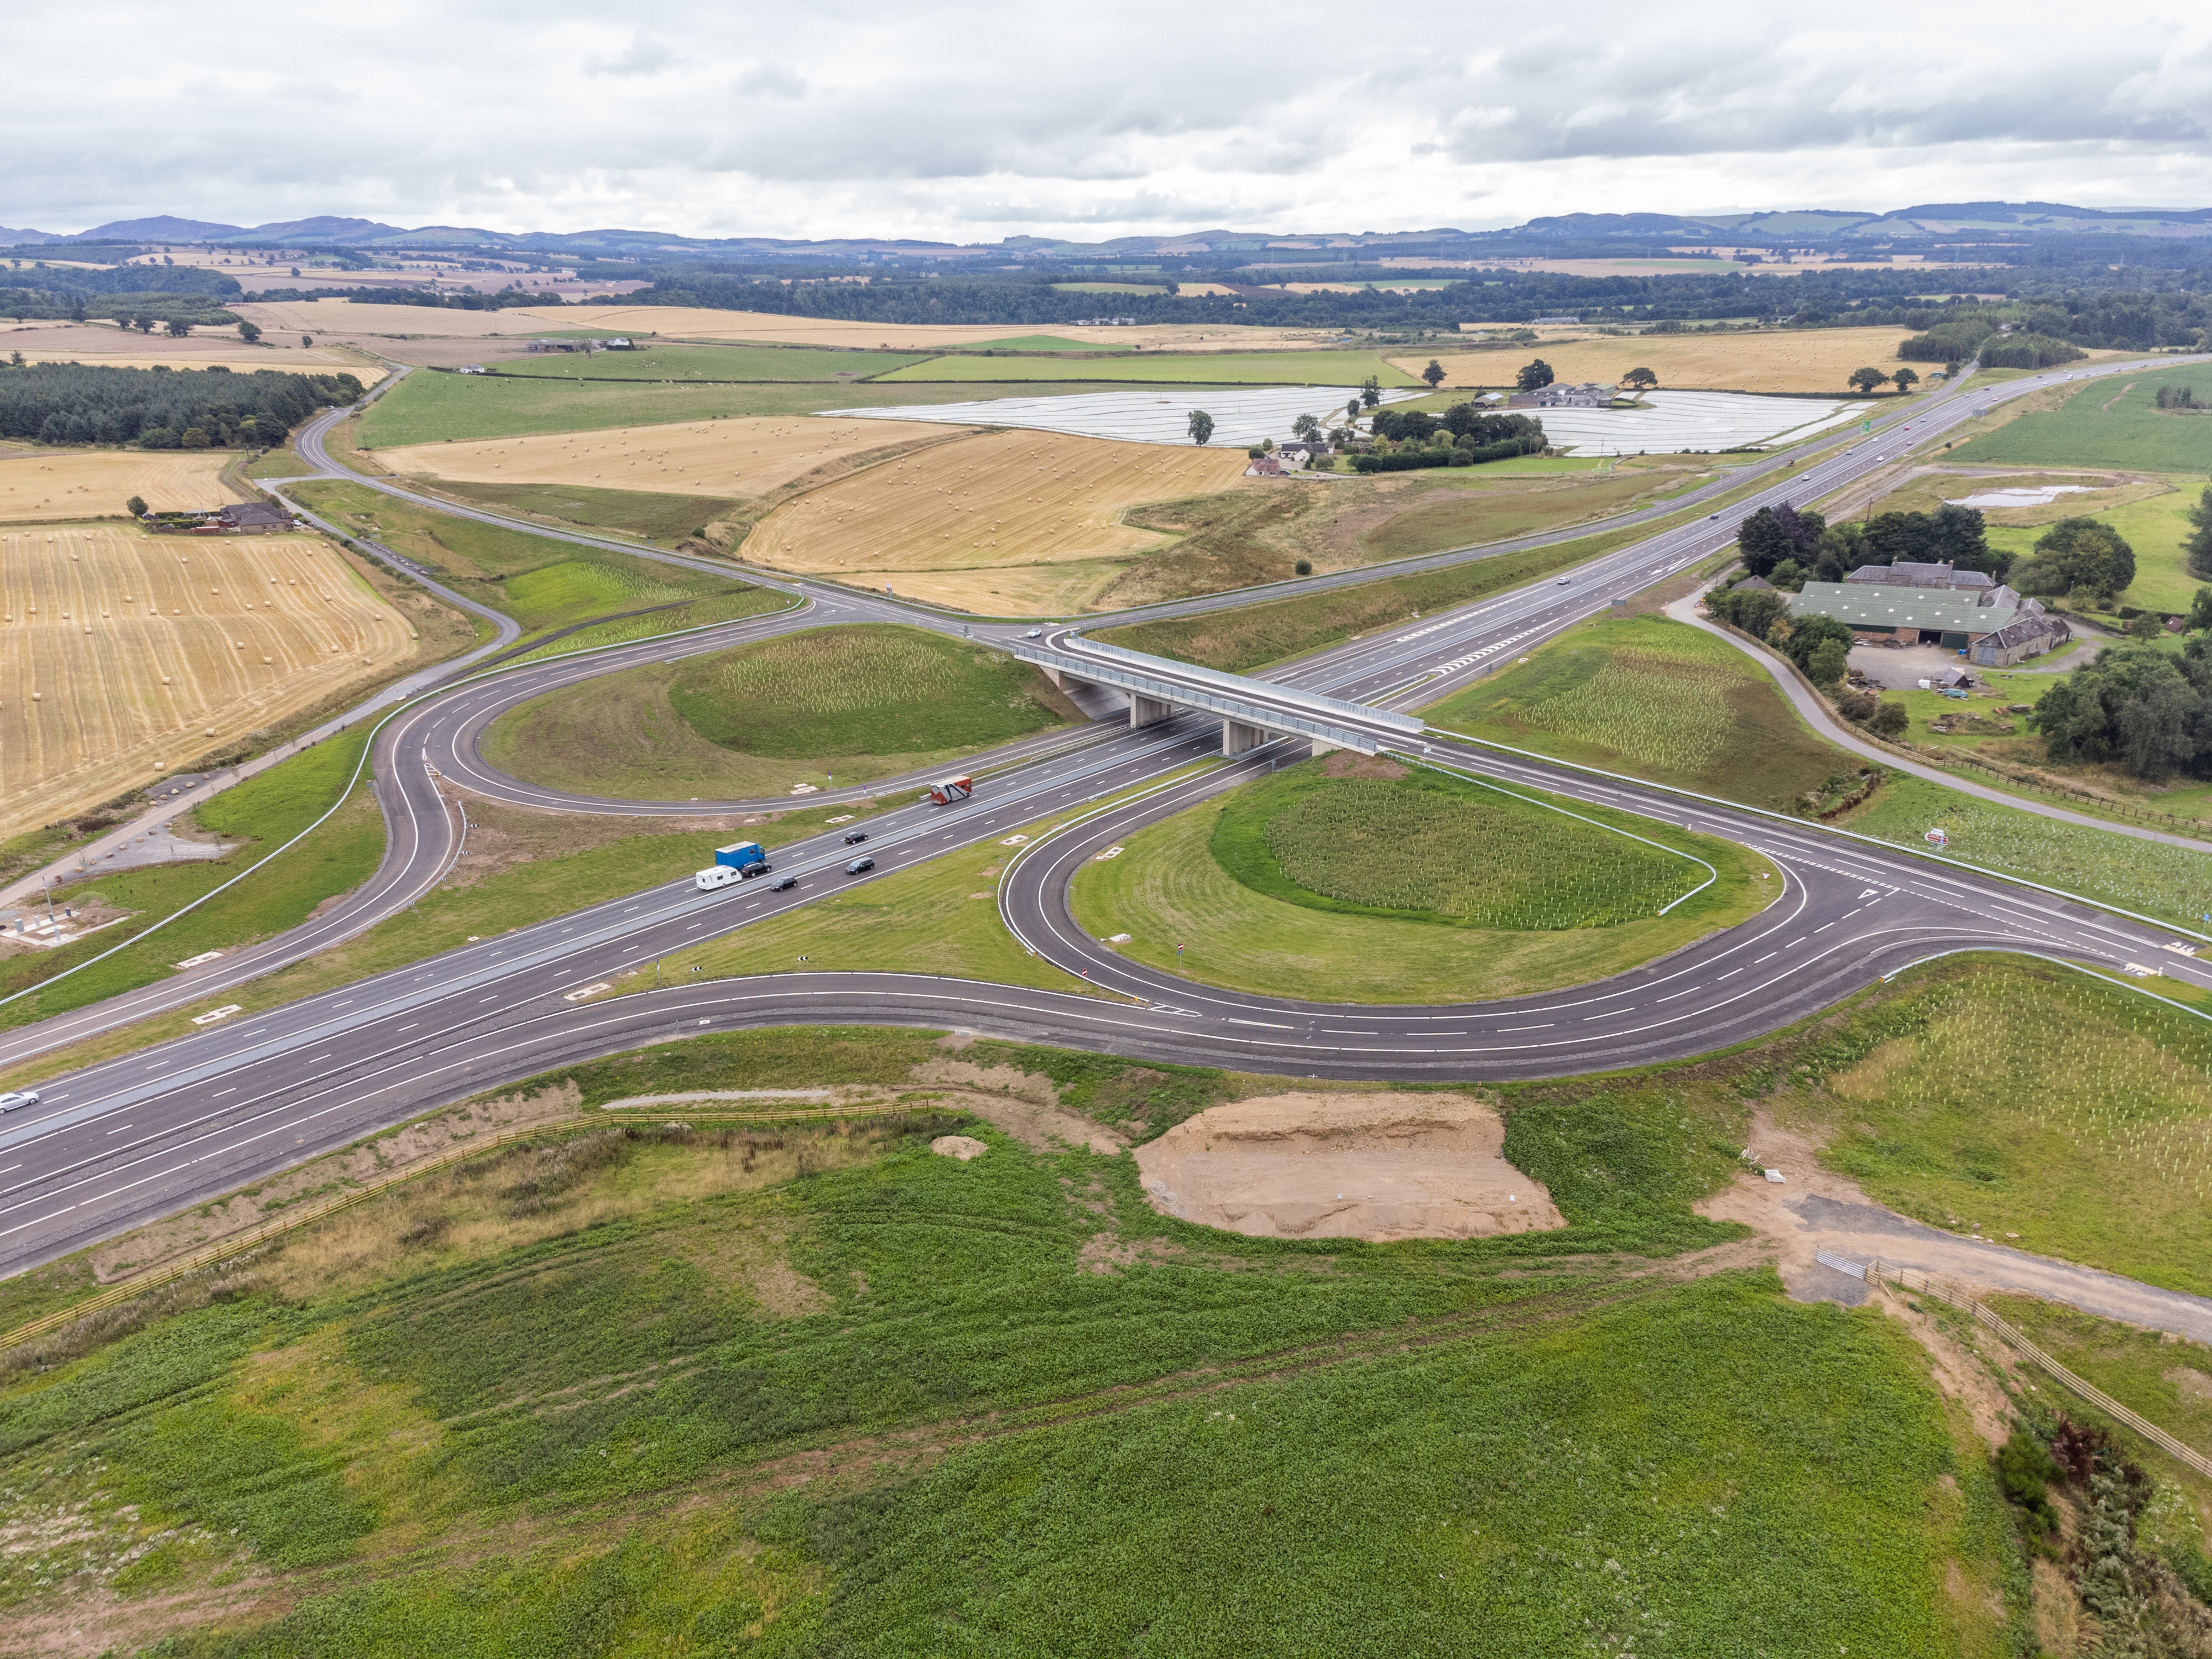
point(1371, 880)
point(818, 708)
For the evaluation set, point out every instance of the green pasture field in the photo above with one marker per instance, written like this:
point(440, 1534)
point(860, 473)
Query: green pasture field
point(655, 516)
point(1053, 342)
point(860, 702)
point(1344, 368)
point(2154, 528)
point(420, 1421)
point(1429, 848)
point(666, 360)
point(278, 464)
point(1657, 698)
point(1168, 888)
point(262, 813)
point(2084, 432)
point(543, 584)
point(426, 408)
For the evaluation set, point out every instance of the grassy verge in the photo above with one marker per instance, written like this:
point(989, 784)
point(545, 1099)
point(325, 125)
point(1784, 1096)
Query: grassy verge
point(940, 917)
point(1187, 913)
point(520, 867)
point(650, 514)
point(544, 584)
point(262, 813)
point(856, 701)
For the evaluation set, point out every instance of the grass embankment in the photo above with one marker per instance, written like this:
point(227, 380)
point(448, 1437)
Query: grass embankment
point(669, 360)
point(1653, 697)
point(432, 408)
point(1257, 533)
point(2070, 1114)
point(1660, 699)
point(1477, 899)
point(1340, 368)
point(2110, 421)
point(838, 1394)
point(544, 584)
point(859, 702)
point(278, 464)
point(263, 813)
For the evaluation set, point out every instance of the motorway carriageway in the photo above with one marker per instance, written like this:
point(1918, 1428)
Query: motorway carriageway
point(125, 1141)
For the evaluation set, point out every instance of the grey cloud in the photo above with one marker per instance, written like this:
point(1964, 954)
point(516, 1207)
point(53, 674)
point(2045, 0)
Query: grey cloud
point(645, 56)
point(769, 81)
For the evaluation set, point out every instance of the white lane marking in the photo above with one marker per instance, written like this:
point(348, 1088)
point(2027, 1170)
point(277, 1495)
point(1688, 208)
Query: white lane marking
point(1524, 1028)
point(113, 1132)
point(1684, 991)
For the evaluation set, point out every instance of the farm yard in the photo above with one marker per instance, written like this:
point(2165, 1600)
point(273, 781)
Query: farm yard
point(738, 457)
point(49, 485)
point(1000, 499)
point(1796, 360)
point(121, 652)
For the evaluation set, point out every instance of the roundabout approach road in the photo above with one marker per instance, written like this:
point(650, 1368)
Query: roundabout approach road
point(121, 1142)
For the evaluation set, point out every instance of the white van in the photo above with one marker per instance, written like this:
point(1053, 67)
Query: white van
point(716, 875)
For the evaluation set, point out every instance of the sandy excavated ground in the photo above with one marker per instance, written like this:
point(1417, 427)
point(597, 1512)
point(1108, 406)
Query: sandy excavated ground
point(48, 486)
point(1010, 498)
point(1814, 360)
point(748, 456)
point(1372, 1167)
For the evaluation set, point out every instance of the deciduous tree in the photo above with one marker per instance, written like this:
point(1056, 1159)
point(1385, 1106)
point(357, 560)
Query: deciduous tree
point(1640, 379)
point(1866, 380)
point(1202, 427)
point(2197, 543)
point(1905, 379)
point(1533, 376)
point(1434, 375)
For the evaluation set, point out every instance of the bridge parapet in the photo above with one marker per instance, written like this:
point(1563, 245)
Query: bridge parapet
point(1155, 684)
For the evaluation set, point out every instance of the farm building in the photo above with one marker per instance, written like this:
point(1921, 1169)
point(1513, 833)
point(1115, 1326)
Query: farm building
point(253, 518)
point(1906, 572)
point(1264, 466)
point(1298, 452)
point(1588, 395)
point(1993, 634)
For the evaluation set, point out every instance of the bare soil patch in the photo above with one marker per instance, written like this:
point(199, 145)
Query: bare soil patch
point(1374, 1167)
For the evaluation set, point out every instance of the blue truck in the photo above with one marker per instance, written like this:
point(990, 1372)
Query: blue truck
point(737, 862)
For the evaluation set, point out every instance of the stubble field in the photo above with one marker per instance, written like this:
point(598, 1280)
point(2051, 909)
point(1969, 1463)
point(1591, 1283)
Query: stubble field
point(1810, 360)
point(987, 503)
point(48, 485)
point(120, 650)
point(738, 457)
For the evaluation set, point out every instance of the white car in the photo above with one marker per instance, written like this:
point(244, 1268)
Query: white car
point(15, 1097)
point(1034, 633)
point(1566, 580)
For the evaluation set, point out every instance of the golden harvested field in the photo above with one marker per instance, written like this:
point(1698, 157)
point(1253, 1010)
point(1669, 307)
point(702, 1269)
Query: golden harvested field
point(44, 485)
point(741, 457)
point(121, 652)
point(999, 500)
point(340, 319)
point(1810, 360)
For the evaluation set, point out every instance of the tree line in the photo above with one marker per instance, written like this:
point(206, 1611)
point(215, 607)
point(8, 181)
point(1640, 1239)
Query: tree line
point(1463, 435)
point(161, 408)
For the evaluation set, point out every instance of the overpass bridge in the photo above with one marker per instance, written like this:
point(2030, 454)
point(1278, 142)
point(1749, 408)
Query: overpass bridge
point(1250, 710)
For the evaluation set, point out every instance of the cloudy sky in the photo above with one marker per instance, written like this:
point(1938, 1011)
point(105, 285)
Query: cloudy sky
point(971, 123)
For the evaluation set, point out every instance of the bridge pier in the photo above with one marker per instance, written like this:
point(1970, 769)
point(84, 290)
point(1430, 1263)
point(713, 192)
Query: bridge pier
point(1236, 737)
point(1147, 711)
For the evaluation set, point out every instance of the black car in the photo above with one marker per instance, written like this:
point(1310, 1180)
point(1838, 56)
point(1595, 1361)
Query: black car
point(746, 872)
point(854, 837)
point(859, 864)
point(787, 883)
